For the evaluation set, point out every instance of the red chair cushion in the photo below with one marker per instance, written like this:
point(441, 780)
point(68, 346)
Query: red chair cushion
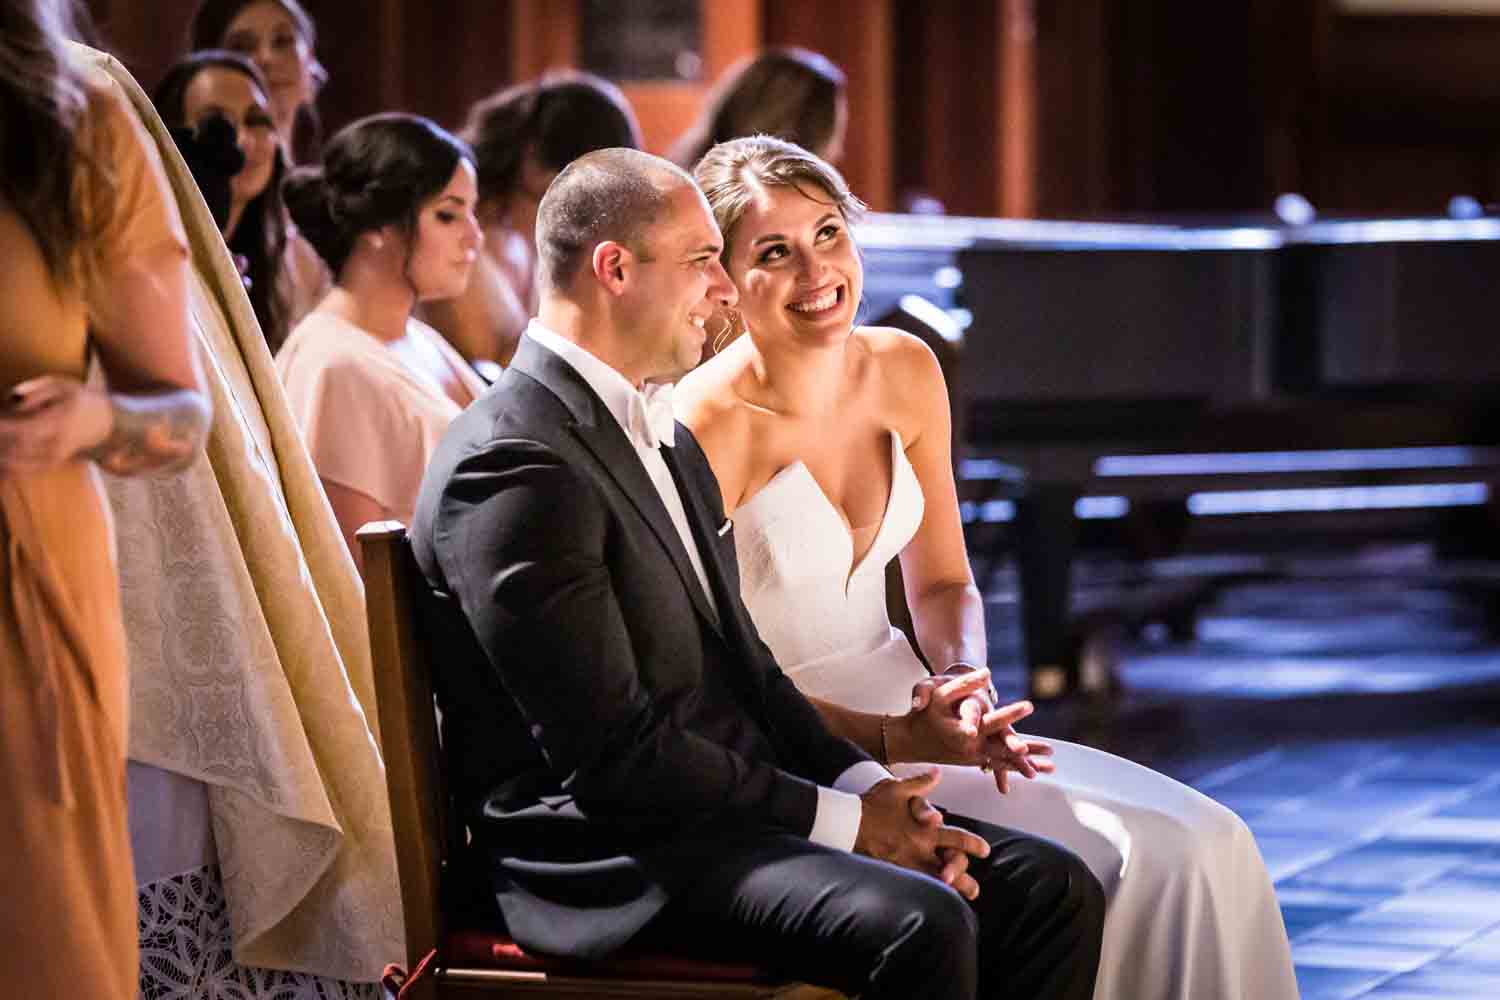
point(484, 949)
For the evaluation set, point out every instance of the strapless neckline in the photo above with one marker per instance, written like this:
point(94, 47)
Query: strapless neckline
point(797, 476)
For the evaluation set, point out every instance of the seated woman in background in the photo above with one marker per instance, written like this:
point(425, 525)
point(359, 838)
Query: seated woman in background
point(789, 93)
point(283, 274)
point(391, 210)
point(281, 39)
point(831, 443)
point(523, 137)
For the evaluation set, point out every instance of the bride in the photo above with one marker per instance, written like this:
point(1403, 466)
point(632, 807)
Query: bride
point(831, 446)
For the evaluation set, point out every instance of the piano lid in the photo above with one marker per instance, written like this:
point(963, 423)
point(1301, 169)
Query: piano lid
point(885, 231)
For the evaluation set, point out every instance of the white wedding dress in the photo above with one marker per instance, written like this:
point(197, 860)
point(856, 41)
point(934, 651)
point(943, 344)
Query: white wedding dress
point(1192, 913)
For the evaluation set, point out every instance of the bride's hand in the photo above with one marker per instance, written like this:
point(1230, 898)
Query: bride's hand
point(1007, 750)
point(963, 710)
point(947, 722)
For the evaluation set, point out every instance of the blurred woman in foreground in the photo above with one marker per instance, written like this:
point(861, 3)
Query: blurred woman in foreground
point(95, 265)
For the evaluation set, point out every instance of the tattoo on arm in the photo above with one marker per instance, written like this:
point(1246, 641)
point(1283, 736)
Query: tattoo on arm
point(156, 432)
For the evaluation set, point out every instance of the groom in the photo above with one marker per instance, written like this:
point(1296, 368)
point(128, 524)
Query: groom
point(630, 762)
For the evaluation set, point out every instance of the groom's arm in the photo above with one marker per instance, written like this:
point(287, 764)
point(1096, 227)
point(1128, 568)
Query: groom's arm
point(797, 727)
point(521, 542)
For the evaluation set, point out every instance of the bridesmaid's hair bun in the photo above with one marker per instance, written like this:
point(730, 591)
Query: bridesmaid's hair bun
point(376, 172)
point(307, 200)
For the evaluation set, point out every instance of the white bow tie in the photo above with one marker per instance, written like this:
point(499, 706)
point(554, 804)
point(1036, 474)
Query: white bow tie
point(651, 420)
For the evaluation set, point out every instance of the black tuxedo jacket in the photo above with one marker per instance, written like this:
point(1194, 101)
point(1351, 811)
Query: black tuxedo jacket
point(600, 719)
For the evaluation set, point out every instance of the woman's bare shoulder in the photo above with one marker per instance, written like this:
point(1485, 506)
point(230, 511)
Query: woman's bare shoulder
point(709, 402)
point(908, 379)
point(707, 395)
point(900, 359)
point(893, 346)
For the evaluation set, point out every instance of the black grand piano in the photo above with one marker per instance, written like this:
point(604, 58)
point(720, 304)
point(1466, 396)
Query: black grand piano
point(1119, 359)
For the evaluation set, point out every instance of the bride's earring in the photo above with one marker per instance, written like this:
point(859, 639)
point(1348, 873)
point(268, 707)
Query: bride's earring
point(729, 332)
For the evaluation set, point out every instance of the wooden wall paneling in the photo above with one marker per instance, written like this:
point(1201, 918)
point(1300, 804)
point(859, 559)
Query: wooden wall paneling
point(363, 48)
point(544, 36)
point(1291, 40)
point(1082, 127)
point(460, 52)
point(859, 36)
point(1153, 107)
point(946, 104)
point(1414, 112)
point(1206, 157)
point(147, 45)
point(1013, 144)
point(666, 108)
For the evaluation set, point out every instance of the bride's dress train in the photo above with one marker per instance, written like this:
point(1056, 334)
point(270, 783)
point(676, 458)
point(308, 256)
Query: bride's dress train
point(1192, 913)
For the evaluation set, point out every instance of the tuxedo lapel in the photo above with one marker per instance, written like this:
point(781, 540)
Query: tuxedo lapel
point(701, 522)
point(695, 489)
point(600, 433)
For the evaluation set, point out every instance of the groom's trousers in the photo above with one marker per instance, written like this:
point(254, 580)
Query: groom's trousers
point(865, 927)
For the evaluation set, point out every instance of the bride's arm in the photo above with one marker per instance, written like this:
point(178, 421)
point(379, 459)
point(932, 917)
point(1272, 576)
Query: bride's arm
point(946, 607)
point(924, 735)
point(863, 730)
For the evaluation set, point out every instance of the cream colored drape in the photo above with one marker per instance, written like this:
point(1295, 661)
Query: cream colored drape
point(249, 659)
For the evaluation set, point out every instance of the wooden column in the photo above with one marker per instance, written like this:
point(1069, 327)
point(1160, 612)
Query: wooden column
point(544, 35)
point(1014, 144)
point(146, 45)
point(666, 108)
point(859, 35)
point(965, 105)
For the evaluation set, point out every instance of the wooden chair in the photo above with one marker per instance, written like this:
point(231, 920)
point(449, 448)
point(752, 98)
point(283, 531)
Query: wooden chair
point(459, 961)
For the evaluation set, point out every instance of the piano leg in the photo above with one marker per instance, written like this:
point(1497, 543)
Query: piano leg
point(1046, 536)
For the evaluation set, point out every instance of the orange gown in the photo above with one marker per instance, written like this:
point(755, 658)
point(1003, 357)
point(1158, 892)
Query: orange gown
point(68, 912)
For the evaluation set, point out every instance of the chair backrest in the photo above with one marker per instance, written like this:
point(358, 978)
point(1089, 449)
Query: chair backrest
point(408, 723)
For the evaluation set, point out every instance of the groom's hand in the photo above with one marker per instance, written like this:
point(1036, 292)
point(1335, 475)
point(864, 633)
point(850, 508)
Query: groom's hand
point(897, 824)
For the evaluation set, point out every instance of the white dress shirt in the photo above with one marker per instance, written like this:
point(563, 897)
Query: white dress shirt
point(836, 821)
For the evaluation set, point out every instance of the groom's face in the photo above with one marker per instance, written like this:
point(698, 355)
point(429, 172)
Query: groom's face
point(680, 282)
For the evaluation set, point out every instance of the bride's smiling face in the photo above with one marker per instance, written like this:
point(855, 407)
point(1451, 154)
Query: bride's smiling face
point(796, 266)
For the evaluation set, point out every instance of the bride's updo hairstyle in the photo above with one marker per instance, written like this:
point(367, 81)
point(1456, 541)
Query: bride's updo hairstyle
point(732, 172)
point(376, 172)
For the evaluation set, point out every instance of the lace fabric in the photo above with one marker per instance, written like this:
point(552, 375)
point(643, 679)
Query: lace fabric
point(186, 955)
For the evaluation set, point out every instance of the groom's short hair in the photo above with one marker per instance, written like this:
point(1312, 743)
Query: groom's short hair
point(609, 194)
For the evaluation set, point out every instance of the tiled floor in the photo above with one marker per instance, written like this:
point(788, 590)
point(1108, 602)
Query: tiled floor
point(1354, 723)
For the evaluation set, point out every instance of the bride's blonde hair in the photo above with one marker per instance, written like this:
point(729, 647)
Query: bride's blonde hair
point(730, 173)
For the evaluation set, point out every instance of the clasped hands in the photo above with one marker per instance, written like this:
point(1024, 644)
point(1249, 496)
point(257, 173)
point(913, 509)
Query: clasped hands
point(897, 824)
point(953, 720)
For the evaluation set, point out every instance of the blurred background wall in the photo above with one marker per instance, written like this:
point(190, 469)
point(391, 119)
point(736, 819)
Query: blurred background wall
point(1049, 108)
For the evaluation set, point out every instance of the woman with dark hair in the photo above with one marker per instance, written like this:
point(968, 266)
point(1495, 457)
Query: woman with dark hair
point(789, 93)
point(391, 210)
point(523, 136)
point(95, 266)
point(283, 274)
point(281, 38)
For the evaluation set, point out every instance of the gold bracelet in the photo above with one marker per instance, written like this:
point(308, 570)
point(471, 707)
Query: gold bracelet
point(885, 753)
